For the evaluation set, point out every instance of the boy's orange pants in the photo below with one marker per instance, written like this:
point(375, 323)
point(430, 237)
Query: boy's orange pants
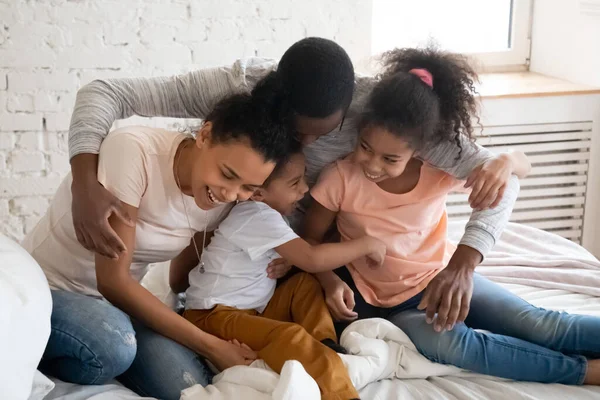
point(290, 328)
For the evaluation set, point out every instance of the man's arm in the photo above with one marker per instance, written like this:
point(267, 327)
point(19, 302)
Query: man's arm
point(193, 95)
point(484, 226)
point(447, 297)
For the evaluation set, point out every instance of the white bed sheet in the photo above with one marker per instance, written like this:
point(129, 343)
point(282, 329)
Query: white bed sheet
point(471, 386)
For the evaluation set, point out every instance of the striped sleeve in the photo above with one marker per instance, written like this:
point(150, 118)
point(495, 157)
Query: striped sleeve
point(192, 95)
point(484, 227)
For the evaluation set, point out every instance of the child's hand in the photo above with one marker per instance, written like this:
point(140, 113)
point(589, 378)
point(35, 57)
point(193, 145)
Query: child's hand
point(377, 250)
point(340, 300)
point(278, 268)
point(489, 181)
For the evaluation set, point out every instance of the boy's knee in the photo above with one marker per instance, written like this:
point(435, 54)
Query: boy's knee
point(290, 331)
point(307, 281)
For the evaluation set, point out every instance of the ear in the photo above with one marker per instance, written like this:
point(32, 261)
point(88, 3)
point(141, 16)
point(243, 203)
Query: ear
point(204, 135)
point(259, 195)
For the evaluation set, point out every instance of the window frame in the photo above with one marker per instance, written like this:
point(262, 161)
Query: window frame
point(517, 57)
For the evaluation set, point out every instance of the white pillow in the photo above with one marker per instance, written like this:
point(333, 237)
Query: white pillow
point(25, 308)
point(42, 385)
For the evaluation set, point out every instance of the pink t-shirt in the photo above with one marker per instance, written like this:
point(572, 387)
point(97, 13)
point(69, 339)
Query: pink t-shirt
point(412, 225)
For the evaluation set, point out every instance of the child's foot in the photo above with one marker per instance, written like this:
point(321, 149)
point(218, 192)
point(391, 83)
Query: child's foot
point(593, 373)
point(334, 346)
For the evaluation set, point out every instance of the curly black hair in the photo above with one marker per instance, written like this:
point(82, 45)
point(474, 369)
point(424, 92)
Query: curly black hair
point(295, 148)
point(242, 116)
point(405, 105)
point(314, 78)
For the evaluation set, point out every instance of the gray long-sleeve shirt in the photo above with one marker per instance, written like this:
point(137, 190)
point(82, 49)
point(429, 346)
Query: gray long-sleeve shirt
point(194, 94)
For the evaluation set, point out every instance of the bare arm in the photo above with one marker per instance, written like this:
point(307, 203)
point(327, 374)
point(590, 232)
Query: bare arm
point(317, 222)
point(187, 260)
point(338, 295)
point(117, 286)
point(329, 256)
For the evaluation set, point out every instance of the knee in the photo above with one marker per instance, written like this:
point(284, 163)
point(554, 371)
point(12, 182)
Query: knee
point(290, 332)
point(448, 347)
point(442, 347)
point(308, 282)
point(115, 352)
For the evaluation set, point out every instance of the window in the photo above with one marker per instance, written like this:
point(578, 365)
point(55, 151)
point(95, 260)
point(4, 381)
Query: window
point(495, 32)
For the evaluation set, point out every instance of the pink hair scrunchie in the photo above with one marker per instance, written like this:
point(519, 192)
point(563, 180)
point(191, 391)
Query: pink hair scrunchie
point(423, 75)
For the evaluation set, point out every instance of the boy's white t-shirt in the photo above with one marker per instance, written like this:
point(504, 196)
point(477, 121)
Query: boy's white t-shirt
point(136, 165)
point(236, 260)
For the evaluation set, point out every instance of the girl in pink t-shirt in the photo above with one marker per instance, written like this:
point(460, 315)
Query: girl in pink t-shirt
point(427, 286)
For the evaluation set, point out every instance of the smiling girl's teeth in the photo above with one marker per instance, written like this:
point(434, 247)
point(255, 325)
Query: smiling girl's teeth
point(372, 176)
point(211, 197)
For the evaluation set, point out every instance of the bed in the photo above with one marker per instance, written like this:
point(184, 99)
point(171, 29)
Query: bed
point(545, 269)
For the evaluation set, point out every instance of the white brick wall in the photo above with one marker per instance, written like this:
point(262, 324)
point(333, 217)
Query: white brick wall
point(50, 48)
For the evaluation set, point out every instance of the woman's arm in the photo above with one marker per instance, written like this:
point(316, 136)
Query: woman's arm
point(118, 287)
point(187, 260)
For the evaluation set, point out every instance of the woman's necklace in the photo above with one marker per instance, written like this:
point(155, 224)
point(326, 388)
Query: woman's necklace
point(186, 213)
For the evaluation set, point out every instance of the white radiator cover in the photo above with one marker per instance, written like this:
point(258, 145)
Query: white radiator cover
point(552, 197)
point(561, 137)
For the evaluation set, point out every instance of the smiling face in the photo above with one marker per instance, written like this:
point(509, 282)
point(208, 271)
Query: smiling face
point(223, 172)
point(381, 154)
point(283, 191)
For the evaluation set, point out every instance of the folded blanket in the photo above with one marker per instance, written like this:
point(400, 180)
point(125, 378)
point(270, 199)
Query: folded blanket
point(529, 256)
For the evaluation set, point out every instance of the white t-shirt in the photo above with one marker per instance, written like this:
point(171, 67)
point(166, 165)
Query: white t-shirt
point(236, 260)
point(136, 165)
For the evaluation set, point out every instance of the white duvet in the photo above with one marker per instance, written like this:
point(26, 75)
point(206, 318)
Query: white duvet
point(384, 359)
point(545, 269)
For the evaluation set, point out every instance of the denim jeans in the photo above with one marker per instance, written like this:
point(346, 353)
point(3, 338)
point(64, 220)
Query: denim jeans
point(525, 342)
point(92, 342)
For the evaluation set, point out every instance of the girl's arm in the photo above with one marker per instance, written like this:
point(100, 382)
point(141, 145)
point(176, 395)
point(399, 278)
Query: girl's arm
point(180, 267)
point(338, 295)
point(318, 220)
point(118, 287)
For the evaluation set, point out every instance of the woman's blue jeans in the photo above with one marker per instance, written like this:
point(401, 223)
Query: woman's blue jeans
point(92, 342)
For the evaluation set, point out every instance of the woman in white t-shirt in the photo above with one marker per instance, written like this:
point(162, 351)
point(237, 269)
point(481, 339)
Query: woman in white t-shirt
point(173, 186)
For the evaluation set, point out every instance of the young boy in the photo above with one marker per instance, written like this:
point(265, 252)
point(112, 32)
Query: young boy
point(232, 297)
